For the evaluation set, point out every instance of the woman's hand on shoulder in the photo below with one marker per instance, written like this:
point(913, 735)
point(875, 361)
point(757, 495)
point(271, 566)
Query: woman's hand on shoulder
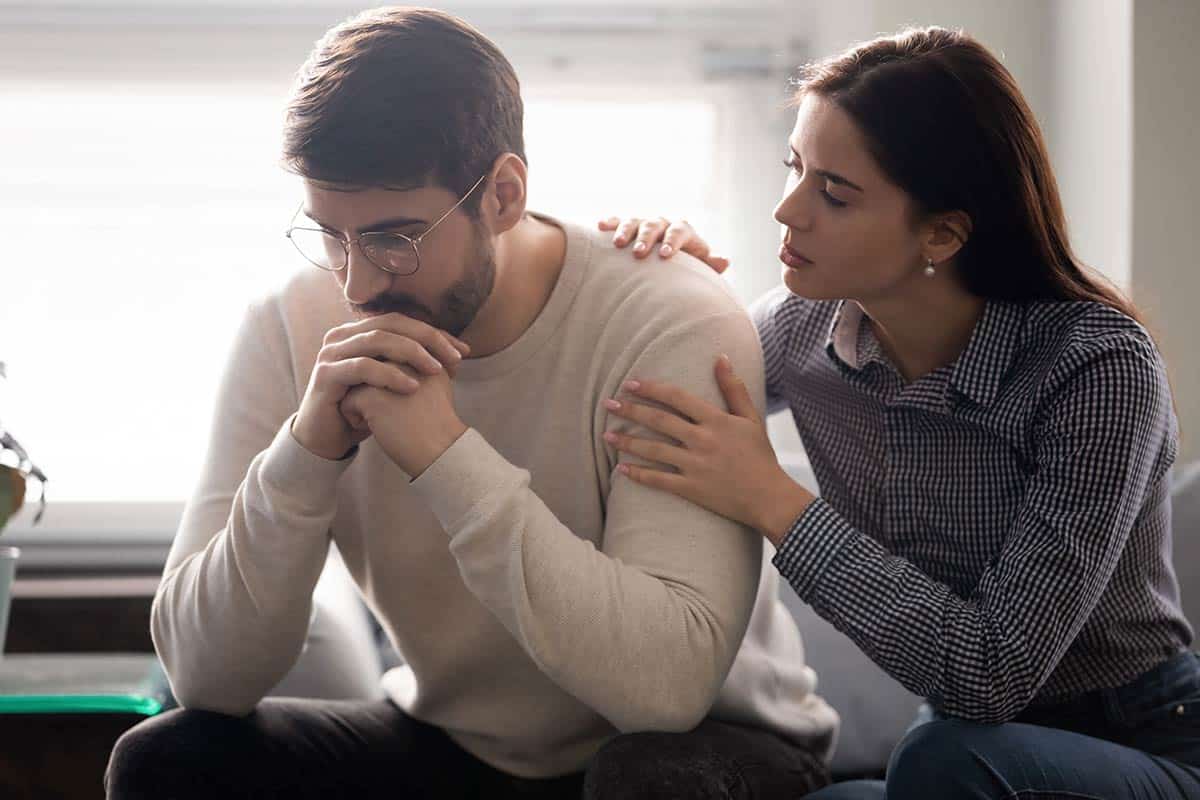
point(660, 234)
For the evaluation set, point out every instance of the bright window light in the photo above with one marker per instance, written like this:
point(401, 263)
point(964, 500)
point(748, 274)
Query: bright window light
point(139, 221)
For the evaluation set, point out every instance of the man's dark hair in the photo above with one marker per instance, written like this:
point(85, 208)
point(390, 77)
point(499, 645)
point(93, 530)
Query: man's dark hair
point(402, 97)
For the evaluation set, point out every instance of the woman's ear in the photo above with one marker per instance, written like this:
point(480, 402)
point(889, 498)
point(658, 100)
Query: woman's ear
point(504, 203)
point(946, 235)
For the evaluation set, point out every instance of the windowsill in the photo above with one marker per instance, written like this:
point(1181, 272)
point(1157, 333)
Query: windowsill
point(91, 538)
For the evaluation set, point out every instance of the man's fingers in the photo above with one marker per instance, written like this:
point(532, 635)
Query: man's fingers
point(443, 346)
point(347, 374)
point(385, 346)
point(608, 224)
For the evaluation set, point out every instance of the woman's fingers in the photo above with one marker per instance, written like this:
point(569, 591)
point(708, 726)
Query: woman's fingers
point(656, 479)
point(648, 449)
point(681, 236)
point(735, 391)
point(650, 233)
point(656, 419)
point(626, 230)
point(677, 399)
point(672, 237)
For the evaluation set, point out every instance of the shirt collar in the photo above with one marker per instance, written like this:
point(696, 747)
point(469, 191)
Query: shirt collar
point(850, 341)
point(978, 371)
point(842, 342)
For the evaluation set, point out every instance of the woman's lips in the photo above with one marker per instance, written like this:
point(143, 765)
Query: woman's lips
point(792, 258)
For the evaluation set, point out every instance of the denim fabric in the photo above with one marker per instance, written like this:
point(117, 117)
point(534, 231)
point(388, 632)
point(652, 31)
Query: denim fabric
point(1138, 741)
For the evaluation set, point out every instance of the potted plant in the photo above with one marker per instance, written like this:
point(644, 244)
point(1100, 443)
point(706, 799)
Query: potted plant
point(15, 468)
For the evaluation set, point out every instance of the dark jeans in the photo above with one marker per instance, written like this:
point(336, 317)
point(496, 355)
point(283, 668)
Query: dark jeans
point(1138, 741)
point(291, 748)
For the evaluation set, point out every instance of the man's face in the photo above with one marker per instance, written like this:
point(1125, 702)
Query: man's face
point(457, 258)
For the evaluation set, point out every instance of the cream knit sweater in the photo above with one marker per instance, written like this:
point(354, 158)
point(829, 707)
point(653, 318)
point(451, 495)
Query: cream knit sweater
point(542, 602)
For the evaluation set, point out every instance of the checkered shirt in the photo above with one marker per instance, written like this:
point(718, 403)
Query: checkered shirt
point(995, 534)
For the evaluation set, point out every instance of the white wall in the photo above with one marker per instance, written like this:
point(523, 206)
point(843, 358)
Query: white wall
point(1091, 128)
point(1166, 179)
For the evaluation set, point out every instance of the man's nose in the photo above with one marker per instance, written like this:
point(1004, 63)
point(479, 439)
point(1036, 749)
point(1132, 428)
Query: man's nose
point(364, 280)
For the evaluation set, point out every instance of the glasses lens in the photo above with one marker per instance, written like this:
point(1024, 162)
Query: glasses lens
point(390, 252)
point(319, 248)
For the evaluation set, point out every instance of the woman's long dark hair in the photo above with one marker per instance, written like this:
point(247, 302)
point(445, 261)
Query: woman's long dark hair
point(948, 125)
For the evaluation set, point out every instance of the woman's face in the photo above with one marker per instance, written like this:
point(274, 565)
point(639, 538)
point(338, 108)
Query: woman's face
point(848, 232)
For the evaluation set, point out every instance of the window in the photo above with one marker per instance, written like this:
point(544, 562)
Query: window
point(143, 207)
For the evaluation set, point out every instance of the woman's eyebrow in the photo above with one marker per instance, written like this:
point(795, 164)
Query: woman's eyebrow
point(831, 176)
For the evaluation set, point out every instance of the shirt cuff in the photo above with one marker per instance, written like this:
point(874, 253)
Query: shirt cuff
point(301, 474)
point(467, 475)
point(811, 545)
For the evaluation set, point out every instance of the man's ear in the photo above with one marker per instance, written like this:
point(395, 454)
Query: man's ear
point(504, 201)
point(945, 235)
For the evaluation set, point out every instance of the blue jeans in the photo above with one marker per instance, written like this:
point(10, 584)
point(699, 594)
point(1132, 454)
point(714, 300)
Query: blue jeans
point(1141, 740)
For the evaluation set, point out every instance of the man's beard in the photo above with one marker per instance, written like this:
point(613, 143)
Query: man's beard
point(460, 303)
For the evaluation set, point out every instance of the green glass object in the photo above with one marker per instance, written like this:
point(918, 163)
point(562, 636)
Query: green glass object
point(82, 684)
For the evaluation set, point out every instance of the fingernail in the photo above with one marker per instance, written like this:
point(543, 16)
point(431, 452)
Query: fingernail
point(640, 247)
point(610, 437)
point(725, 360)
point(623, 469)
point(619, 241)
point(633, 386)
point(610, 404)
point(665, 251)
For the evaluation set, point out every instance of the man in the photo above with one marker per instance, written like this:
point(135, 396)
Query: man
point(432, 401)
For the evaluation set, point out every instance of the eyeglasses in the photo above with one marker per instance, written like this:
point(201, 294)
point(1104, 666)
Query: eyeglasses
point(391, 252)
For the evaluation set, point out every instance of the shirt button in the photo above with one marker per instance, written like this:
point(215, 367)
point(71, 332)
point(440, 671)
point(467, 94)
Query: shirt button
point(1179, 710)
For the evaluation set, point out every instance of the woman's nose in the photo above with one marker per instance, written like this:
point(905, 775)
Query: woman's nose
point(794, 209)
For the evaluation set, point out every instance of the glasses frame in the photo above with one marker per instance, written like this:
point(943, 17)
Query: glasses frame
point(412, 241)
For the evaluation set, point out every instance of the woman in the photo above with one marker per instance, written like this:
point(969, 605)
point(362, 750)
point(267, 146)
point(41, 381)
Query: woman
point(990, 426)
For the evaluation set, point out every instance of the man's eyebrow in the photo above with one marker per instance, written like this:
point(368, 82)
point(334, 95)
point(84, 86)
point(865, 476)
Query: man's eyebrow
point(379, 225)
point(831, 176)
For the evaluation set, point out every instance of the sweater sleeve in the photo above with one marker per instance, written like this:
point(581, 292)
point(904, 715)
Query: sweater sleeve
point(231, 614)
point(644, 628)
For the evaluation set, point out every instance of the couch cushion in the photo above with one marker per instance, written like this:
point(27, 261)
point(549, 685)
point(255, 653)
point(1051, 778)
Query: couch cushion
point(1185, 529)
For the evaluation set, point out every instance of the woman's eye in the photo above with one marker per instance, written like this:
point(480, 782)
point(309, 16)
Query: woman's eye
point(833, 201)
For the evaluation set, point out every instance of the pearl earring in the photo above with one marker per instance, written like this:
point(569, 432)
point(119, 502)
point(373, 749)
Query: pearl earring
point(929, 270)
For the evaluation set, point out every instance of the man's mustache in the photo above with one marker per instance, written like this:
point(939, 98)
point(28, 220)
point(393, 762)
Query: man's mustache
point(396, 303)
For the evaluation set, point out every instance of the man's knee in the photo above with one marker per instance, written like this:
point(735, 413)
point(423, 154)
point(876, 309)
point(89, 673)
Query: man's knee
point(946, 758)
point(156, 757)
point(656, 765)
